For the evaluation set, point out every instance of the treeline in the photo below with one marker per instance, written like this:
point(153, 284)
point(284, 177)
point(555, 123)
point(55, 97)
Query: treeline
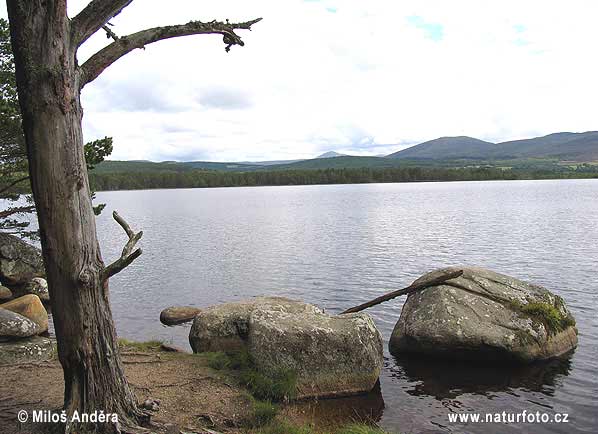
point(203, 178)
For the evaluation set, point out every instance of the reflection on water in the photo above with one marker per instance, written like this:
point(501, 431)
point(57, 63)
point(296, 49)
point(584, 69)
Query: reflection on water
point(328, 413)
point(444, 379)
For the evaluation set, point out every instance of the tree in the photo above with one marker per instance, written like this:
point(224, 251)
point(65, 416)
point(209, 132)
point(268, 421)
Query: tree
point(49, 81)
point(13, 154)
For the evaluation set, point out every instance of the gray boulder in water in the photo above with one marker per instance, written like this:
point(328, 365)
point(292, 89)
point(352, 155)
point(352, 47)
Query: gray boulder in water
point(331, 355)
point(19, 261)
point(483, 315)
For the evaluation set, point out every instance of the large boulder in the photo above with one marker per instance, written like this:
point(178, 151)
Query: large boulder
point(483, 315)
point(33, 349)
point(19, 261)
point(178, 314)
point(15, 326)
point(331, 355)
point(30, 306)
point(39, 287)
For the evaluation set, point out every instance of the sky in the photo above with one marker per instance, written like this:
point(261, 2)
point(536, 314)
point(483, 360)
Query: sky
point(356, 77)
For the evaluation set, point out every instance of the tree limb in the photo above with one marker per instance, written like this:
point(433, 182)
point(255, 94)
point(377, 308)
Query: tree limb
point(12, 184)
point(95, 15)
point(21, 209)
point(125, 44)
point(128, 255)
point(411, 288)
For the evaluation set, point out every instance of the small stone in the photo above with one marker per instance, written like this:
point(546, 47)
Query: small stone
point(39, 287)
point(178, 314)
point(5, 293)
point(151, 404)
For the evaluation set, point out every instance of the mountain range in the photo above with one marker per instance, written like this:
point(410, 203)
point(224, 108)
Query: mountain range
point(578, 147)
point(553, 149)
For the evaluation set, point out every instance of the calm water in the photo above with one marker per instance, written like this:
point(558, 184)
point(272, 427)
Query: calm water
point(337, 246)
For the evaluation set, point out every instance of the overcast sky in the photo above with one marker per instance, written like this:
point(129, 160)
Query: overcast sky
point(351, 76)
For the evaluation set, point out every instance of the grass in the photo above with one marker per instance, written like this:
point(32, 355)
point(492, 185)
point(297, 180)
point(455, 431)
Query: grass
point(549, 315)
point(360, 428)
point(263, 413)
point(272, 386)
point(139, 346)
point(284, 427)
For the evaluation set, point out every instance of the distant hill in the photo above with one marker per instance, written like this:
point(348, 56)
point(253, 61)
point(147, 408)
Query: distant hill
point(563, 146)
point(447, 148)
point(331, 154)
point(579, 147)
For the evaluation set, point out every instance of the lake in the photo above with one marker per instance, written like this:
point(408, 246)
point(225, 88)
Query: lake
point(339, 245)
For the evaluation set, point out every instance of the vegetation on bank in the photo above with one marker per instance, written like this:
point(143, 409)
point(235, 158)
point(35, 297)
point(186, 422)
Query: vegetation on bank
point(276, 386)
point(103, 181)
point(284, 427)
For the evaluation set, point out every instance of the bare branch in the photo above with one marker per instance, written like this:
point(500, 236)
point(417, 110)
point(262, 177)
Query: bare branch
point(109, 32)
point(125, 44)
point(405, 291)
point(21, 209)
point(95, 15)
point(12, 184)
point(128, 255)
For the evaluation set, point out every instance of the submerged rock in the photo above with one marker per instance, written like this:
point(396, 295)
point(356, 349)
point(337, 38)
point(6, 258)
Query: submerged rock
point(19, 261)
point(14, 325)
point(331, 355)
point(33, 349)
point(483, 315)
point(30, 307)
point(39, 287)
point(178, 314)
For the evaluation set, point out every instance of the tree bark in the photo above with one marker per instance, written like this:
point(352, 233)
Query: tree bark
point(48, 85)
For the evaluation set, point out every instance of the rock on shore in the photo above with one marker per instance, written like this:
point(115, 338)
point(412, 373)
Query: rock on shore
point(19, 261)
point(30, 306)
point(332, 355)
point(33, 349)
point(5, 293)
point(483, 315)
point(15, 326)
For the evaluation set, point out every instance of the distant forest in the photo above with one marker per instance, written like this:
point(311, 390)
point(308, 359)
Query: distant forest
point(212, 178)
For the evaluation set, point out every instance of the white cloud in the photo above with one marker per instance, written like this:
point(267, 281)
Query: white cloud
point(353, 76)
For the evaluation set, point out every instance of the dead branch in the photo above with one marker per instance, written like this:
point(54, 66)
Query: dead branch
point(12, 184)
point(128, 255)
point(94, 16)
point(109, 32)
point(18, 210)
point(101, 60)
point(408, 290)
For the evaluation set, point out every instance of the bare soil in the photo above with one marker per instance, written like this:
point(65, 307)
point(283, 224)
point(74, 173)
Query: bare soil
point(193, 397)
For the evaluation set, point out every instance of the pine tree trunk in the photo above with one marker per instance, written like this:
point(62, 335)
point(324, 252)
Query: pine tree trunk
point(49, 95)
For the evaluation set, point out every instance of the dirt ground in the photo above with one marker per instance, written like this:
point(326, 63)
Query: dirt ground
point(192, 395)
